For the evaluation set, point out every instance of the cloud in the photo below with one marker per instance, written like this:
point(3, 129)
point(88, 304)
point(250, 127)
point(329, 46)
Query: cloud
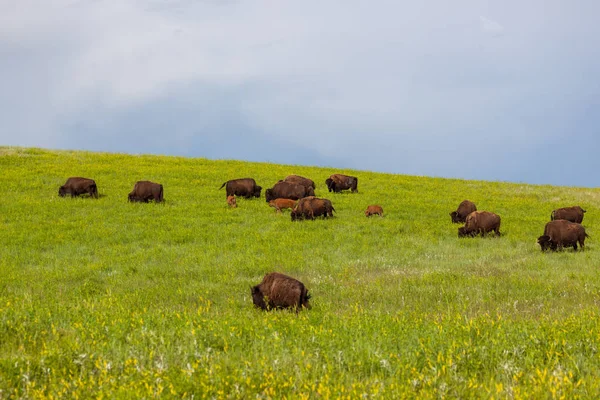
point(390, 86)
point(491, 27)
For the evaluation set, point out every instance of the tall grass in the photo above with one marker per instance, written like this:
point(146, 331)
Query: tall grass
point(105, 298)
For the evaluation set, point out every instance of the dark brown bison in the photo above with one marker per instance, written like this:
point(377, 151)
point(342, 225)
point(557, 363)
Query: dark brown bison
point(231, 201)
point(77, 185)
point(311, 207)
point(374, 210)
point(338, 182)
point(245, 187)
point(287, 190)
point(144, 191)
point(465, 208)
point(300, 180)
point(560, 233)
point(480, 222)
point(280, 291)
point(573, 214)
point(281, 204)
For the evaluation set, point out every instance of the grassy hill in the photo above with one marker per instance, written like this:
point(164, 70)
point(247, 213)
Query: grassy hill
point(105, 297)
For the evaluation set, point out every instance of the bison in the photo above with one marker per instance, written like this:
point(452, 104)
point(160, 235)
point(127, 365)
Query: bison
point(280, 204)
point(311, 207)
point(480, 222)
point(77, 185)
point(231, 201)
point(338, 182)
point(287, 190)
point(245, 187)
point(573, 214)
point(374, 210)
point(280, 291)
point(144, 191)
point(465, 208)
point(300, 180)
point(560, 233)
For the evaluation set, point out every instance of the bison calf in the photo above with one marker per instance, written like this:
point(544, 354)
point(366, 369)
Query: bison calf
point(374, 210)
point(465, 208)
point(144, 191)
point(231, 201)
point(280, 291)
point(281, 204)
point(560, 233)
point(77, 185)
point(480, 222)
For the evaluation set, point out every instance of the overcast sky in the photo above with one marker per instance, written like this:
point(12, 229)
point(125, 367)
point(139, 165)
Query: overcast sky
point(494, 90)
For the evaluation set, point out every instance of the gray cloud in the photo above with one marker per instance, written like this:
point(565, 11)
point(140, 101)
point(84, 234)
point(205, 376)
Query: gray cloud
point(390, 86)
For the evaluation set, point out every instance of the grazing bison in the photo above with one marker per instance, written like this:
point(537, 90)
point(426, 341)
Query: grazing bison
point(374, 209)
point(281, 204)
point(311, 207)
point(231, 201)
point(573, 214)
point(145, 191)
point(77, 185)
point(245, 187)
point(480, 222)
point(560, 233)
point(300, 180)
point(465, 208)
point(280, 291)
point(338, 182)
point(287, 190)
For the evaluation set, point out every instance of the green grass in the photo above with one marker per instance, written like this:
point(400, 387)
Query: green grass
point(108, 298)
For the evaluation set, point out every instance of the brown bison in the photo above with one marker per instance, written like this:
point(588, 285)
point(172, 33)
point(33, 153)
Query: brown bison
point(77, 185)
point(281, 204)
point(561, 233)
point(144, 191)
point(231, 201)
point(280, 291)
point(300, 180)
point(573, 214)
point(245, 187)
point(338, 182)
point(311, 207)
point(480, 222)
point(465, 208)
point(374, 210)
point(287, 190)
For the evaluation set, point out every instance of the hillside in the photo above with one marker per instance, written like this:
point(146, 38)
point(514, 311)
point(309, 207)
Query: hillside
point(105, 297)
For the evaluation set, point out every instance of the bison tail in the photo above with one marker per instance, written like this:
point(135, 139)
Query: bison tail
point(552, 216)
point(223, 185)
point(333, 209)
point(160, 195)
point(586, 235)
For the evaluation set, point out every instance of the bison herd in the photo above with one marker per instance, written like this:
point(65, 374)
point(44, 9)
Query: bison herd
point(298, 194)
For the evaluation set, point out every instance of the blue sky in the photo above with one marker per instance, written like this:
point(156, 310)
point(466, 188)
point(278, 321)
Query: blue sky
point(503, 90)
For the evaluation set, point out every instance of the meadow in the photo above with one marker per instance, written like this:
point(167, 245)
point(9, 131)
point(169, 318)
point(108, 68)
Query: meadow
point(105, 298)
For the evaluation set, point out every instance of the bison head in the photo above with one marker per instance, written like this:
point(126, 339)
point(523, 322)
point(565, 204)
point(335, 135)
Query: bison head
point(257, 297)
point(330, 184)
point(296, 215)
point(305, 300)
point(454, 217)
point(131, 197)
point(269, 195)
point(62, 191)
point(462, 232)
point(545, 242)
point(257, 190)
